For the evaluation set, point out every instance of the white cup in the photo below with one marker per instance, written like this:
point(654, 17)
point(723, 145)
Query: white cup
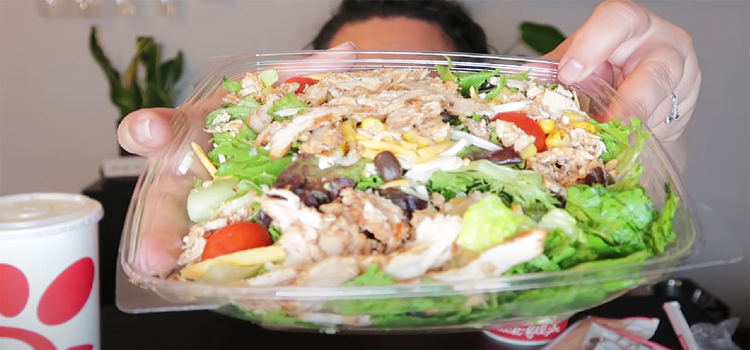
point(49, 272)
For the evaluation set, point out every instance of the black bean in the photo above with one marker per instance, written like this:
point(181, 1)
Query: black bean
point(264, 220)
point(598, 176)
point(446, 116)
point(486, 86)
point(408, 203)
point(388, 166)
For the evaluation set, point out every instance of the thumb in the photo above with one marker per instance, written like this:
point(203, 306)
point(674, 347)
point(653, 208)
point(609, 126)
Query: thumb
point(146, 131)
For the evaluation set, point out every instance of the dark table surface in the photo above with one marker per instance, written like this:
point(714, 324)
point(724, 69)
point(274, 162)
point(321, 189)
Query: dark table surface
point(207, 330)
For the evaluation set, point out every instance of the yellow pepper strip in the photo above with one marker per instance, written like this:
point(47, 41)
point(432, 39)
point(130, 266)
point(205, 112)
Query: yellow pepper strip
point(558, 138)
point(412, 136)
point(547, 125)
point(408, 145)
point(395, 183)
point(347, 129)
point(432, 151)
point(248, 257)
point(385, 146)
point(204, 159)
point(370, 153)
point(318, 76)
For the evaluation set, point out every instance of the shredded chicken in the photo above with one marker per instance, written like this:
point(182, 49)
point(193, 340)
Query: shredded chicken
point(374, 214)
point(563, 165)
point(431, 248)
point(499, 259)
point(323, 140)
point(479, 129)
point(511, 135)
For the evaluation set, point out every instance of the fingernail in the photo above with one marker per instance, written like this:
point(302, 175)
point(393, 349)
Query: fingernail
point(143, 132)
point(570, 72)
point(347, 45)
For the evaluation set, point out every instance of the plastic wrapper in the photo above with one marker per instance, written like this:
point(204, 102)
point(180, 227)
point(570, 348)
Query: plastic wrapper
point(716, 337)
point(594, 333)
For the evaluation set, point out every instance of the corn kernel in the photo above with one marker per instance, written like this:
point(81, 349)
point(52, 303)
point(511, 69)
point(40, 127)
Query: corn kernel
point(372, 125)
point(347, 129)
point(547, 125)
point(575, 117)
point(558, 138)
point(413, 136)
point(590, 128)
point(528, 151)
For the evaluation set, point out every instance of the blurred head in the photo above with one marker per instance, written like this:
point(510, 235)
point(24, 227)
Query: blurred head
point(403, 25)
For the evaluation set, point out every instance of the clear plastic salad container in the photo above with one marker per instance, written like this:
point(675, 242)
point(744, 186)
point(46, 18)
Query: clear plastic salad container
point(158, 218)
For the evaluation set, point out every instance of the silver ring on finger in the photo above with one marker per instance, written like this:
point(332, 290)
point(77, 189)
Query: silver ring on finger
point(675, 114)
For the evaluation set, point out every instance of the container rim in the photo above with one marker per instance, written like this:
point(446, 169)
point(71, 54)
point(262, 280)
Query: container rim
point(654, 266)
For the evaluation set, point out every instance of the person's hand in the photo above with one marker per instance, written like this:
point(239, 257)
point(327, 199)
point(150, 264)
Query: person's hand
point(149, 133)
point(643, 56)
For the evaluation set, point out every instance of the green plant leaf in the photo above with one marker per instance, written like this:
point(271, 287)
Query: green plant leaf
point(541, 38)
point(120, 97)
point(171, 72)
point(151, 60)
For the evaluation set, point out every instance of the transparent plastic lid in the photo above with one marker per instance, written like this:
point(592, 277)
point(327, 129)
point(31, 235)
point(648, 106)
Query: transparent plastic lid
point(45, 213)
point(157, 221)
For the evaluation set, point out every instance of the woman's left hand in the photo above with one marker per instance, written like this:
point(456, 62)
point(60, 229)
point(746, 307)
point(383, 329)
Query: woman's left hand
point(644, 56)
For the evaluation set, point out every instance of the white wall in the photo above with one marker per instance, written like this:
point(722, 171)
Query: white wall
point(56, 123)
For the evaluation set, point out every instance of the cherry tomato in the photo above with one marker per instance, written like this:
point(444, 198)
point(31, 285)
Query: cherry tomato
point(236, 237)
point(526, 124)
point(303, 83)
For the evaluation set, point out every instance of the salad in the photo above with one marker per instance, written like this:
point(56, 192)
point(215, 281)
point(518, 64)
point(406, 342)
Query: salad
point(396, 176)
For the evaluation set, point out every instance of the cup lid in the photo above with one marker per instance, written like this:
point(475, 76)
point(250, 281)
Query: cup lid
point(36, 214)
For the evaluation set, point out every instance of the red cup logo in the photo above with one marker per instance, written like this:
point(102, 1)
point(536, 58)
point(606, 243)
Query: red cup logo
point(61, 301)
point(531, 332)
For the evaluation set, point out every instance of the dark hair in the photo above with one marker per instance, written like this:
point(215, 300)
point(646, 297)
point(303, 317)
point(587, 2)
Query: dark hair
point(451, 16)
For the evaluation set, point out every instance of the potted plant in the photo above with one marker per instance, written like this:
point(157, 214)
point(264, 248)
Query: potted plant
point(542, 38)
point(130, 90)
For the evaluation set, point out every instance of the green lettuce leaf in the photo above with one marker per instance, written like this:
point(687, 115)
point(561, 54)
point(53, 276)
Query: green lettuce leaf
point(289, 101)
point(268, 77)
point(661, 233)
point(488, 223)
point(524, 187)
point(617, 218)
point(616, 138)
point(236, 112)
point(237, 157)
point(232, 85)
